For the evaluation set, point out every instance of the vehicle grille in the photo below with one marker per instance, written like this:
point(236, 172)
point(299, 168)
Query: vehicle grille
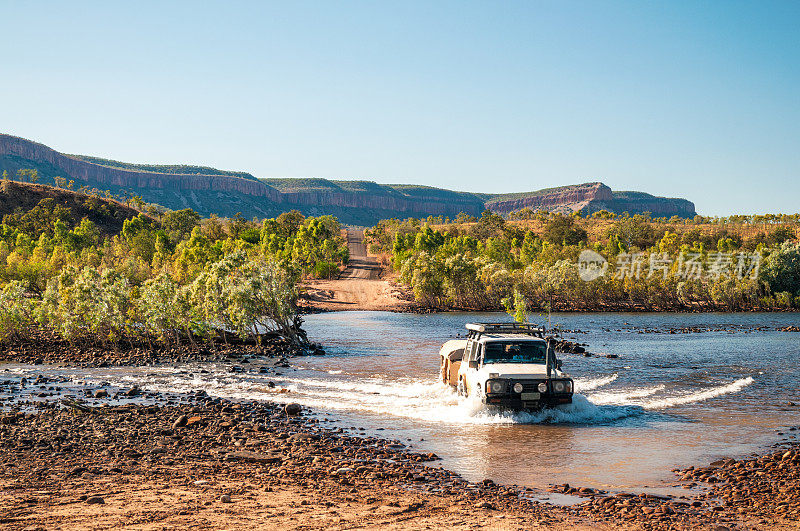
point(528, 386)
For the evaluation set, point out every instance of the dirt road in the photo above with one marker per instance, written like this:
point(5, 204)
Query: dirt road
point(360, 266)
point(359, 287)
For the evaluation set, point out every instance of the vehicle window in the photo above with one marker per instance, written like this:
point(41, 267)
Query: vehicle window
point(514, 352)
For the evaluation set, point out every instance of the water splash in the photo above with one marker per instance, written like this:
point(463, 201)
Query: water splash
point(624, 396)
point(420, 399)
point(699, 396)
point(580, 411)
point(587, 384)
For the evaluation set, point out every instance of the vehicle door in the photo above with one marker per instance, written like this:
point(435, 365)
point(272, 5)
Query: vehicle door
point(472, 354)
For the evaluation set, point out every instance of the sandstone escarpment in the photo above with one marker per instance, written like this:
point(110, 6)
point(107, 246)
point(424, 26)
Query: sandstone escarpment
point(592, 197)
point(104, 176)
point(574, 198)
point(353, 202)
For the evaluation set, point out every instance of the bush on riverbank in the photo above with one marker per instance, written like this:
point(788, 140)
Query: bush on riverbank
point(651, 264)
point(250, 297)
point(171, 281)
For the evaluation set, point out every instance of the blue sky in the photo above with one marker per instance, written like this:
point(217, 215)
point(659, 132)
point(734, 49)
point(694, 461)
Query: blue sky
point(678, 98)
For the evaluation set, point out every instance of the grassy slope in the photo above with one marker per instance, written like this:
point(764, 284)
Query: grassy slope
point(163, 168)
point(294, 185)
point(108, 215)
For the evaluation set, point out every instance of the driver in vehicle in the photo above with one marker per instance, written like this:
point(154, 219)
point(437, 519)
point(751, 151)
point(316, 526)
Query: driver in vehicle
point(511, 352)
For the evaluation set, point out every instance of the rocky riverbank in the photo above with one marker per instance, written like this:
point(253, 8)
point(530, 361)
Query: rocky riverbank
point(89, 456)
point(758, 492)
point(199, 461)
point(41, 347)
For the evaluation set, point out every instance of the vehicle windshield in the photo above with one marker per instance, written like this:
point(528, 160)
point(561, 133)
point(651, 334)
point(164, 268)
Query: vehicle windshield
point(514, 352)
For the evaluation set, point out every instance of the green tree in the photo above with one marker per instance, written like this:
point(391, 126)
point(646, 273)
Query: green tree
point(561, 230)
point(516, 307)
point(16, 309)
point(84, 303)
point(247, 297)
point(178, 224)
point(781, 269)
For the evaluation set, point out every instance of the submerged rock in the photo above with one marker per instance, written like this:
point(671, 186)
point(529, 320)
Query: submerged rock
point(293, 409)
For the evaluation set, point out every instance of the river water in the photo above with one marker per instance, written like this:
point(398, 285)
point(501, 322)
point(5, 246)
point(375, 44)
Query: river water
point(668, 400)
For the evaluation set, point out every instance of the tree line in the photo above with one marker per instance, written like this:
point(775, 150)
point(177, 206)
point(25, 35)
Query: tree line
point(485, 262)
point(175, 280)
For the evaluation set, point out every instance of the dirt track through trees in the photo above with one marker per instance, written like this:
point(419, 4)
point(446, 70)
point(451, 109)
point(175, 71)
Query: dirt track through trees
point(360, 265)
point(359, 287)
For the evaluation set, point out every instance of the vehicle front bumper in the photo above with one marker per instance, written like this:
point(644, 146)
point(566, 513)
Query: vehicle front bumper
point(514, 401)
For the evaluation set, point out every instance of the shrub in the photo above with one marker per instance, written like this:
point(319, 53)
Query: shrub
point(325, 270)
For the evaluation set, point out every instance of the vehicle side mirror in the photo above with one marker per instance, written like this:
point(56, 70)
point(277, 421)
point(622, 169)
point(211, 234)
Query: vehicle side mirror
point(473, 364)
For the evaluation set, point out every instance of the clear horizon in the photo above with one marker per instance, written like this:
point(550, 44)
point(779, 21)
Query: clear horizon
point(679, 100)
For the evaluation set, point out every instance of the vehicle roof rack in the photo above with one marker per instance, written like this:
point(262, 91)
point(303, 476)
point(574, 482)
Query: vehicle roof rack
point(478, 329)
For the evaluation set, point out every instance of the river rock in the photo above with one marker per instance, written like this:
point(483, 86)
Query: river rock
point(180, 422)
point(195, 421)
point(253, 457)
point(302, 437)
point(293, 409)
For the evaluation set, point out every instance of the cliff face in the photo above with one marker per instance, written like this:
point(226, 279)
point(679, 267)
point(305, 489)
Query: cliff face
point(407, 205)
point(353, 202)
point(568, 197)
point(591, 197)
point(104, 176)
point(634, 202)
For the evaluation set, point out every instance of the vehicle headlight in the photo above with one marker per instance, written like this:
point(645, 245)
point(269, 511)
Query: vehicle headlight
point(518, 387)
point(559, 387)
point(542, 387)
point(569, 386)
point(495, 386)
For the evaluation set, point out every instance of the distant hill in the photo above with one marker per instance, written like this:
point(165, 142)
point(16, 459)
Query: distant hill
point(591, 197)
point(107, 214)
point(209, 190)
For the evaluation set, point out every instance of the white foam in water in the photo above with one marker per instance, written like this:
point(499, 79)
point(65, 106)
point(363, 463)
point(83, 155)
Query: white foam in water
point(580, 411)
point(624, 396)
point(587, 384)
point(699, 396)
point(420, 399)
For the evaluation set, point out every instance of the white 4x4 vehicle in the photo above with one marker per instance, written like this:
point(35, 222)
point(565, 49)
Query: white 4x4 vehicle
point(508, 365)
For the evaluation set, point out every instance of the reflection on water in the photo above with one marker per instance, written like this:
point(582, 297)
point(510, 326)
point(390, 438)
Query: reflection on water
point(667, 400)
